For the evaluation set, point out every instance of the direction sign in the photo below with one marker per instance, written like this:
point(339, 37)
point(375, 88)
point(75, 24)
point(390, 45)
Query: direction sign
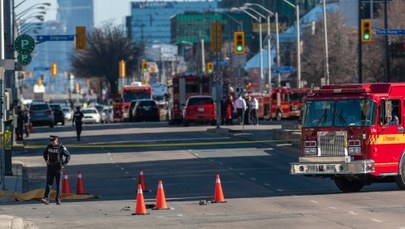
point(283, 70)
point(24, 44)
point(43, 38)
point(24, 59)
point(390, 31)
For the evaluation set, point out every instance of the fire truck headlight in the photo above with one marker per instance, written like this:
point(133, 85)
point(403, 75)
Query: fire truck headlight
point(354, 150)
point(310, 151)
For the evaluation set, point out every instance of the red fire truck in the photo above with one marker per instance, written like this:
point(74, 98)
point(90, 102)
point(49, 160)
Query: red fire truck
point(184, 86)
point(282, 103)
point(131, 92)
point(354, 134)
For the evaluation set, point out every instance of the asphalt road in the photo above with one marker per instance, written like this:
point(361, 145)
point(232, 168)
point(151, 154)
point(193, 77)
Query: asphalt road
point(257, 186)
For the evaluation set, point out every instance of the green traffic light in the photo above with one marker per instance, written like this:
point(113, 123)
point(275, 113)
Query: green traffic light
point(366, 36)
point(239, 48)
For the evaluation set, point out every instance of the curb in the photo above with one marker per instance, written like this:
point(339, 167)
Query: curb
point(11, 222)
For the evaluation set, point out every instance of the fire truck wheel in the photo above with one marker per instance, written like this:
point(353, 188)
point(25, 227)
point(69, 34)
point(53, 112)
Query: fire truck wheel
point(400, 179)
point(346, 185)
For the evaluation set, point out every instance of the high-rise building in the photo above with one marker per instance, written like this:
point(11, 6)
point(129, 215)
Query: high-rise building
point(71, 13)
point(149, 21)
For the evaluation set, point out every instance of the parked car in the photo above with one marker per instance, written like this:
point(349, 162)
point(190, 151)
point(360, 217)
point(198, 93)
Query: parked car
point(91, 115)
point(59, 116)
point(41, 114)
point(199, 109)
point(107, 115)
point(68, 113)
point(145, 110)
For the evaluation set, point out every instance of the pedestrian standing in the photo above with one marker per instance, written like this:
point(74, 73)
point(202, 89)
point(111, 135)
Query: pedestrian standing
point(77, 121)
point(27, 122)
point(56, 157)
point(20, 123)
point(247, 111)
point(253, 112)
point(240, 107)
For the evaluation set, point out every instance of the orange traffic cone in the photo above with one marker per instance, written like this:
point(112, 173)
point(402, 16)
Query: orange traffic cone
point(140, 208)
point(80, 185)
point(160, 198)
point(218, 195)
point(66, 185)
point(141, 181)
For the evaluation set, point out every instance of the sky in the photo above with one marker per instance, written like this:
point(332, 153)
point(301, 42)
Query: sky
point(104, 10)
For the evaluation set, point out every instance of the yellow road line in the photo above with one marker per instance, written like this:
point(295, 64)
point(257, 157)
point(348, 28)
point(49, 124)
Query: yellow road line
point(134, 145)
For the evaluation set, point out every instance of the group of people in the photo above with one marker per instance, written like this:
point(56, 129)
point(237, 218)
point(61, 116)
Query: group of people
point(247, 110)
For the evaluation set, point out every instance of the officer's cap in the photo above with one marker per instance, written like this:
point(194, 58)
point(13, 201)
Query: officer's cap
point(53, 137)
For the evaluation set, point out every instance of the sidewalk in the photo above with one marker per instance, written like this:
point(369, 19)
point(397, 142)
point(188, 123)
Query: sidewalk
point(13, 184)
point(264, 134)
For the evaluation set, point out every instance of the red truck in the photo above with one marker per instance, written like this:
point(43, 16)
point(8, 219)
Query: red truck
point(128, 93)
point(282, 103)
point(184, 86)
point(354, 134)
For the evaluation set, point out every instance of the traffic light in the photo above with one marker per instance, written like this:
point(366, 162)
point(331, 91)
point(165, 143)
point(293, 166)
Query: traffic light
point(122, 69)
point(366, 25)
point(239, 42)
point(210, 67)
point(145, 66)
point(54, 69)
point(80, 37)
point(216, 36)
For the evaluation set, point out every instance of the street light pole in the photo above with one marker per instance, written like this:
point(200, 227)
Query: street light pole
point(277, 42)
point(297, 12)
point(326, 44)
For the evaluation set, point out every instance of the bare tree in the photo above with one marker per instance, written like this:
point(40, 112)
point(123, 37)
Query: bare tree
point(342, 52)
point(106, 47)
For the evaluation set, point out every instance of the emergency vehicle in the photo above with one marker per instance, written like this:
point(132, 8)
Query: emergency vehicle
point(135, 91)
point(282, 103)
point(354, 134)
point(184, 86)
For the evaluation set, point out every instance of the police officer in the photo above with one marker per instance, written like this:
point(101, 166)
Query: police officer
point(77, 121)
point(56, 157)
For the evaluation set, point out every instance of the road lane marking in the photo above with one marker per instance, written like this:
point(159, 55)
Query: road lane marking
point(314, 201)
point(253, 179)
point(242, 174)
point(376, 220)
point(331, 207)
point(138, 145)
point(280, 190)
point(265, 184)
point(352, 213)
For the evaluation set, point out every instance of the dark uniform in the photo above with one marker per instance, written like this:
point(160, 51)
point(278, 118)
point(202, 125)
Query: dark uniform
point(77, 121)
point(56, 156)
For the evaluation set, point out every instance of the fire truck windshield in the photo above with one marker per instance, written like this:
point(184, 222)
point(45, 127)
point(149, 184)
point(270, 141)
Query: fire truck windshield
point(339, 113)
point(128, 97)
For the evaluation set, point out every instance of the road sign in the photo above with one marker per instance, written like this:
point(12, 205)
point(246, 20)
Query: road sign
point(283, 70)
point(24, 59)
point(24, 44)
point(41, 68)
point(390, 31)
point(43, 38)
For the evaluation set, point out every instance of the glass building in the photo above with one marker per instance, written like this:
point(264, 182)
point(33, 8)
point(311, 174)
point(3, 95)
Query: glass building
point(71, 13)
point(149, 21)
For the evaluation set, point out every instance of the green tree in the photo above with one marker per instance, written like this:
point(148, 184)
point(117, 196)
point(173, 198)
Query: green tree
point(106, 46)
